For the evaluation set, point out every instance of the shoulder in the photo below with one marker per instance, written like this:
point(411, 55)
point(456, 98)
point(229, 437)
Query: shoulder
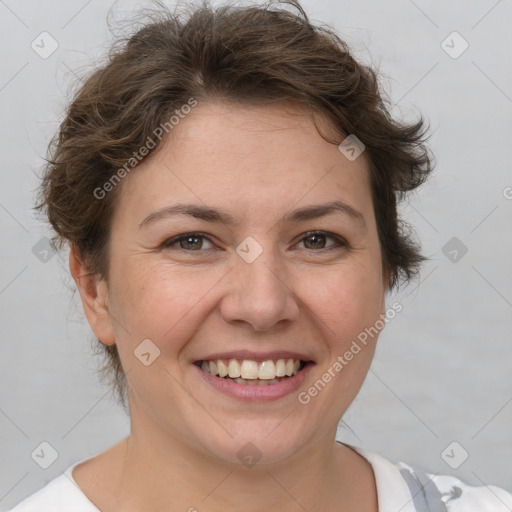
point(456, 495)
point(67, 494)
point(59, 495)
point(409, 489)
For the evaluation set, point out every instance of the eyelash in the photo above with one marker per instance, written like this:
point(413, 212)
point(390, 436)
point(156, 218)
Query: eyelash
point(340, 242)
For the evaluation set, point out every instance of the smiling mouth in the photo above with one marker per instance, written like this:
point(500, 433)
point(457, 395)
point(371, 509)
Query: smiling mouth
point(253, 373)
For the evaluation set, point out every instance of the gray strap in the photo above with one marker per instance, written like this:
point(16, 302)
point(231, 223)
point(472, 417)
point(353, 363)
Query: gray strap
point(424, 492)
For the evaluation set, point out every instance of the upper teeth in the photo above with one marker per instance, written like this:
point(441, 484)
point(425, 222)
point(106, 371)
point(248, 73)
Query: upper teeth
point(266, 370)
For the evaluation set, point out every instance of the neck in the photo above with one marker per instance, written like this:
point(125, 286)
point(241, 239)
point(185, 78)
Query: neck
point(162, 472)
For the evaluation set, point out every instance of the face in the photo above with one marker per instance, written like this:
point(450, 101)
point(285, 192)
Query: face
point(267, 278)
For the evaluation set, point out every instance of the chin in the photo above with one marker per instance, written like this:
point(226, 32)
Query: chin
point(256, 445)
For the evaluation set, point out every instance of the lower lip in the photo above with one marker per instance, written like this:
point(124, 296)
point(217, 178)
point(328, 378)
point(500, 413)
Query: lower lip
point(256, 393)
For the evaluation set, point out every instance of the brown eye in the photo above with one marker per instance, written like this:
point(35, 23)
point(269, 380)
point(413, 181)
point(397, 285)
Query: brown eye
point(189, 242)
point(317, 240)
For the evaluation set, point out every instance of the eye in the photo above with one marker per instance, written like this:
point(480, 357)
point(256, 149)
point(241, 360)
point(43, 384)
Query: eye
point(194, 242)
point(317, 241)
point(189, 242)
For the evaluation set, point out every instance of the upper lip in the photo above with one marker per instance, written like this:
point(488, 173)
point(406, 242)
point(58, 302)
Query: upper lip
point(255, 356)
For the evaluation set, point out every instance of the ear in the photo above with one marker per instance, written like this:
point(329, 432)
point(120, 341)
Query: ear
point(94, 294)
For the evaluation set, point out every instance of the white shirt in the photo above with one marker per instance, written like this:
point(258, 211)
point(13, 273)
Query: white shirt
point(400, 488)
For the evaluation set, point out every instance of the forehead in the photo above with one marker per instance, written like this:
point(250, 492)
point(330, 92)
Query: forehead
point(249, 156)
point(235, 131)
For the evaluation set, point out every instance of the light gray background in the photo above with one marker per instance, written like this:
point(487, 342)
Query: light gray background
point(442, 371)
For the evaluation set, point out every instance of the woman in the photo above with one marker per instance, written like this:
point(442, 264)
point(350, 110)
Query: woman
point(228, 187)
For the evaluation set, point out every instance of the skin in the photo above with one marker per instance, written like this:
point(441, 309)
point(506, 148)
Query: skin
point(258, 164)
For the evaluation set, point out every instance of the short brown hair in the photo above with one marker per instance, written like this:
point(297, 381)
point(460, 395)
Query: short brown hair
point(249, 55)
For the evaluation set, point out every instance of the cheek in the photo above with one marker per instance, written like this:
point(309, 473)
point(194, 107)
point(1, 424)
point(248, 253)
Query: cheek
point(161, 301)
point(160, 304)
point(346, 301)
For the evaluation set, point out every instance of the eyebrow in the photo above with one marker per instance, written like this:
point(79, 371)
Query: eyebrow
point(213, 215)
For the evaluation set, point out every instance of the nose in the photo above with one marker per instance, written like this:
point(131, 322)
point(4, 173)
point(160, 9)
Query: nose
point(260, 294)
